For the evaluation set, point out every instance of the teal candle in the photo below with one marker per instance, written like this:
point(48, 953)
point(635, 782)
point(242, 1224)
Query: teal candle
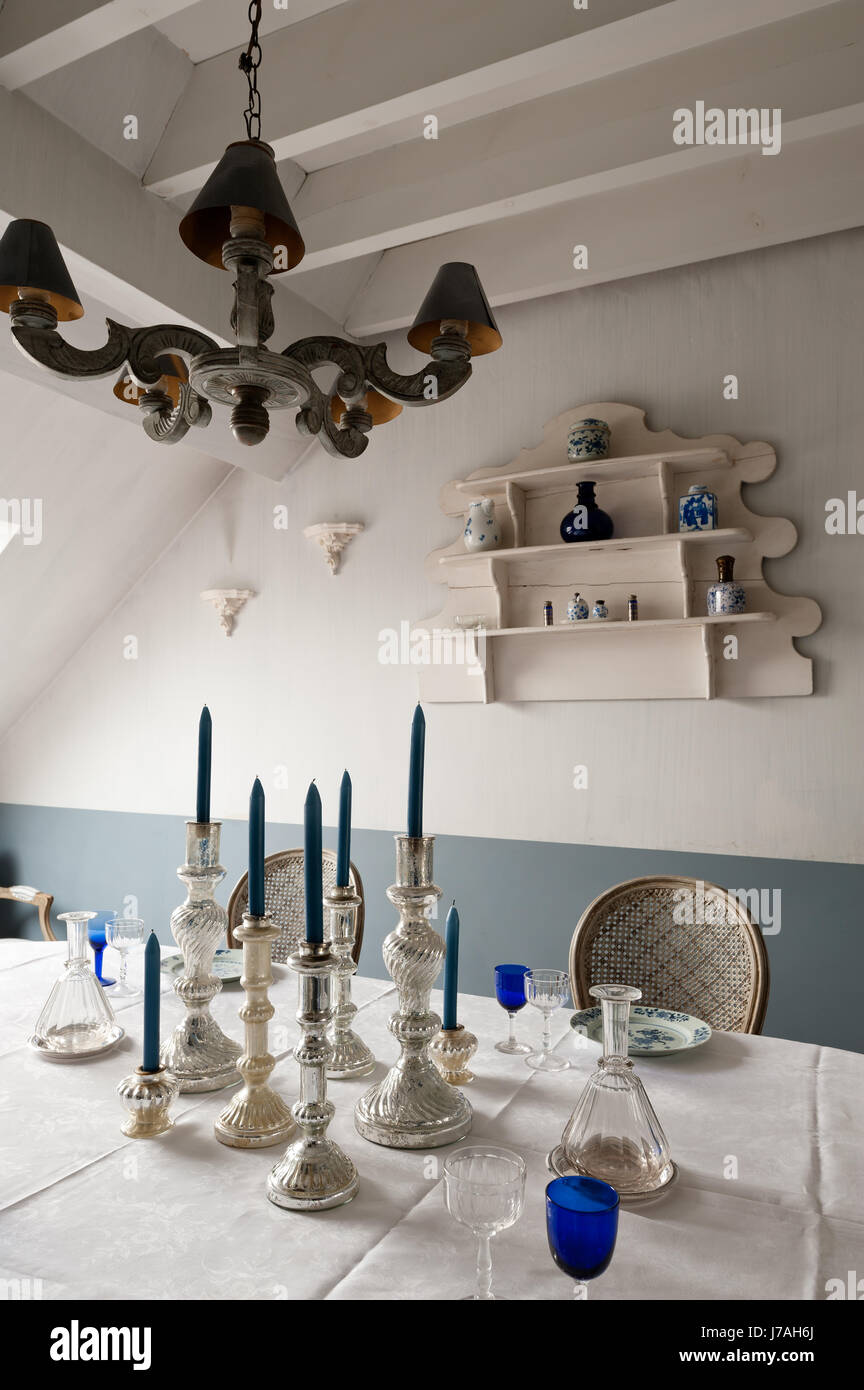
point(312, 880)
point(205, 739)
point(343, 847)
point(150, 1060)
point(451, 967)
point(256, 850)
point(415, 774)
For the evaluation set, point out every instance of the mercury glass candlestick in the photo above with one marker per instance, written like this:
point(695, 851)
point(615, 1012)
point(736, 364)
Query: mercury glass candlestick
point(314, 1173)
point(148, 1096)
point(413, 1107)
point(255, 1117)
point(198, 1053)
point(351, 1056)
point(452, 1050)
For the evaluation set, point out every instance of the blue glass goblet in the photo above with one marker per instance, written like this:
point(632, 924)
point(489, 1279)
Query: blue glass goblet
point(581, 1224)
point(97, 938)
point(510, 993)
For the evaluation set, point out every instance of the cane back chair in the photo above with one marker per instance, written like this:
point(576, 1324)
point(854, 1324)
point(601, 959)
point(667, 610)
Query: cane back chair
point(285, 899)
point(20, 893)
point(687, 945)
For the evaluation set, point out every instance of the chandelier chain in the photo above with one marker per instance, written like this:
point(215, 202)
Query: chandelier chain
point(250, 62)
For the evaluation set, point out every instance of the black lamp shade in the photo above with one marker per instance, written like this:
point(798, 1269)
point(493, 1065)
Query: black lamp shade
point(456, 293)
point(30, 259)
point(245, 176)
point(173, 371)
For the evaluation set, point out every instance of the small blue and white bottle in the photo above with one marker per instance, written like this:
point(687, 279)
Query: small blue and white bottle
point(577, 609)
point(726, 596)
point(697, 511)
point(600, 611)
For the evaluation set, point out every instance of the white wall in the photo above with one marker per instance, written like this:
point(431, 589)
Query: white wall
point(300, 684)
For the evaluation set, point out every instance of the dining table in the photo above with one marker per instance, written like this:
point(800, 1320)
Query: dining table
point(767, 1135)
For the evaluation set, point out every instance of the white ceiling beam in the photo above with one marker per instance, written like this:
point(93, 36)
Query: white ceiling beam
point(571, 146)
point(714, 208)
point(38, 38)
point(336, 91)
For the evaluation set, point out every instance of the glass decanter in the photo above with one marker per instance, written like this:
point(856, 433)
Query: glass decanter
point(77, 1017)
point(614, 1134)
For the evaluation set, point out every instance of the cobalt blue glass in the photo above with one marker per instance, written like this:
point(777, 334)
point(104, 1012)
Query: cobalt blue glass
point(581, 1224)
point(96, 936)
point(586, 521)
point(510, 993)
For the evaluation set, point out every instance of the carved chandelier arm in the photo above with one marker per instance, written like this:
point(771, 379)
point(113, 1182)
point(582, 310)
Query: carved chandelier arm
point(139, 347)
point(165, 424)
point(348, 357)
point(448, 376)
point(315, 419)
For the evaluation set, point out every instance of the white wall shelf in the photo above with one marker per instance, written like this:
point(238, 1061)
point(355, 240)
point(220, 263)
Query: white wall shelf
point(684, 653)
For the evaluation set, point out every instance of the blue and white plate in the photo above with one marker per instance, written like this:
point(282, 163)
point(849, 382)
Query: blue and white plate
point(227, 965)
point(651, 1031)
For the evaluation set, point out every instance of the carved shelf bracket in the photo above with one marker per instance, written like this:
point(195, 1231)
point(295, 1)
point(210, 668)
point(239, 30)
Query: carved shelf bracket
point(228, 603)
point(333, 536)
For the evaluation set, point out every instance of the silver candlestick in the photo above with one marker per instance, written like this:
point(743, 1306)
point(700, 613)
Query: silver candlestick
point(314, 1172)
point(413, 1107)
point(198, 1053)
point(351, 1056)
point(255, 1117)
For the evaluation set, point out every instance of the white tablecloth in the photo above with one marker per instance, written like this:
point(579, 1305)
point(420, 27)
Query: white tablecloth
point(91, 1214)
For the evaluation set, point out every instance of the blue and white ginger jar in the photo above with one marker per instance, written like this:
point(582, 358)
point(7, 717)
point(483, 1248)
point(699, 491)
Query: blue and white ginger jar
point(588, 439)
point(697, 511)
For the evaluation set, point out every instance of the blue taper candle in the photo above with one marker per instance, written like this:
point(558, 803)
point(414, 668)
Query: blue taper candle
point(312, 880)
point(205, 738)
point(343, 848)
point(415, 773)
point(451, 967)
point(150, 1060)
point(256, 850)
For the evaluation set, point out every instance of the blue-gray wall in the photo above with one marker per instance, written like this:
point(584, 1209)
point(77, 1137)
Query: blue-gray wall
point(518, 899)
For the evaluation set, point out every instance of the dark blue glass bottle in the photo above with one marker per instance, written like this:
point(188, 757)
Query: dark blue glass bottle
point(586, 521)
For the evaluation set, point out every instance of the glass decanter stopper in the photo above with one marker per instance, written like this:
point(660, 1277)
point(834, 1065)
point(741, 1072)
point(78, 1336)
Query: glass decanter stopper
point(614, 1134)
point(77, 1016)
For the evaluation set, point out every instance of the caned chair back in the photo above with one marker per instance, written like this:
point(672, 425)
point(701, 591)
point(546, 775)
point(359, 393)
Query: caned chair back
point(687, 945)
point(20, 893)
point(285, 902)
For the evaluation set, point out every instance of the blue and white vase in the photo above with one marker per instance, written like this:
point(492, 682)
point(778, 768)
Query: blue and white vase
point(697, 511)
point(481, 530)
point(577, 609)
point(600, 611)
point(726, 596)
point(588, 439)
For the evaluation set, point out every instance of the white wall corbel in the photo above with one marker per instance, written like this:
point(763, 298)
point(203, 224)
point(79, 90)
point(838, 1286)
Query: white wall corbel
point(228, 603)
point(333, 536)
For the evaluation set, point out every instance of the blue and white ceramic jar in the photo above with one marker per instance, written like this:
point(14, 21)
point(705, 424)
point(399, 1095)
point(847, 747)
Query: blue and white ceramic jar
point(481, 530)
point(600, 611)
point(726, 596)
point(588, 439)
point(697, 511)
point(577, 609)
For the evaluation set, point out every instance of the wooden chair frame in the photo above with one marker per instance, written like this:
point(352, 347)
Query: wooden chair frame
point(599, 911)
point(238, 902)
point(20, 893)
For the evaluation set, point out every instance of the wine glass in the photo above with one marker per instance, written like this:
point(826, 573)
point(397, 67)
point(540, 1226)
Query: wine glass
point(484, 1188)
point(96, 936)
point(510, 993)
point(547, 990)
point(581, 1225)
point(124, 934)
